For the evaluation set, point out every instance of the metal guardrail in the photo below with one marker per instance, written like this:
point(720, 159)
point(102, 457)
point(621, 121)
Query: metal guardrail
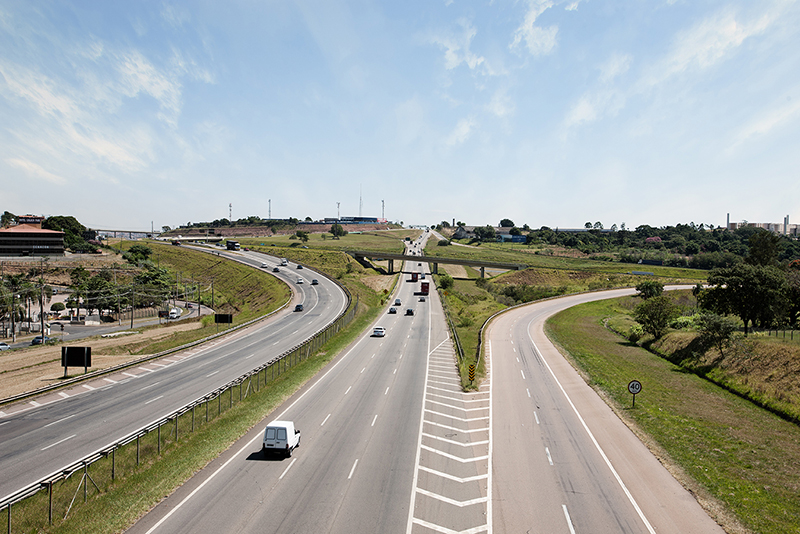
point(279, 365)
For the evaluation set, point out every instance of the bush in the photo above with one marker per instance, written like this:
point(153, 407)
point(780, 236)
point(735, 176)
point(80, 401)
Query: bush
point(446, 281)
point(635, 333)
point(443, 242)
point(649, 289)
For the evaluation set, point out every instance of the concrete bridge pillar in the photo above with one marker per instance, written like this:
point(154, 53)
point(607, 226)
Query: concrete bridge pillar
point(483, 272)
point(391, 266)
point(435, 268)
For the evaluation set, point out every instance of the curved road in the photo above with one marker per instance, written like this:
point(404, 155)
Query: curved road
point(40, 437)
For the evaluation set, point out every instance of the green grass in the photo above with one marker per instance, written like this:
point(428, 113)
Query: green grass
point(517, 253)
point(379, 240)
point(729, 449)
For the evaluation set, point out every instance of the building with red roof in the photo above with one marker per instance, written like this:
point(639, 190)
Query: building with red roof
point(30, 240)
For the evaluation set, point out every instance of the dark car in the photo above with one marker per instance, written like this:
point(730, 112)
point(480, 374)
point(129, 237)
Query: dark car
point(275, 270)
point(298, 307)
point(392, 310)
point(38, 340)
point(314, 282)
point(299, 266)
point(409, 311)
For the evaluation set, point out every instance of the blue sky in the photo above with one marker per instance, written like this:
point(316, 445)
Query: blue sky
point(548, 113)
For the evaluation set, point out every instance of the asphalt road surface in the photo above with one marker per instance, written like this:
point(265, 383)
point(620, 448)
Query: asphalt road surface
point(39, 437)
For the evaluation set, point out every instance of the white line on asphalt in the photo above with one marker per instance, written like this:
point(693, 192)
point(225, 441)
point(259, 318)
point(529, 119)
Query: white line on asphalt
point(57, 442)
point(129, 374)
point(523, 374)
point(153, 400)
point(362, 371)
point(146, 369)
point(536, 416)
point(151, 385)
point(34, 403)
point(517, 360)
point(594, 441)
point(212, 374)
point(90, 388)
point(109, 380)
point(569, 521)
point(353, 469)
point(348, 390)
point(372, 356)
point(529, 392)
point(63, 395)
point(549, 458)
point(374, 419)
point(158, 364)
point(395, 371)
point(247, 358)
point(387, 390)
point(324, 420)
point(56, 422)
point(514, 349)
point(287, 469)
point(276, 343)
point(6, 422)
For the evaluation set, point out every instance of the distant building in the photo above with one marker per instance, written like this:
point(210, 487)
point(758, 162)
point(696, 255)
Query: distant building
point(30, 240)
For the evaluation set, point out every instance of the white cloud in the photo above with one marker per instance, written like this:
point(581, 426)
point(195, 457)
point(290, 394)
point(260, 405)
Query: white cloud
point(615, 66)
point(761, 126)
point(461, 132)
point(457, 47)
point(501, 104)
point(539, 41)
point(36, 171)
point(138, 75)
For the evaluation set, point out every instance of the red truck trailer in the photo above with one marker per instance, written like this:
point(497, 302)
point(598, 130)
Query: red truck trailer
point(414, 277)
point(424, 287)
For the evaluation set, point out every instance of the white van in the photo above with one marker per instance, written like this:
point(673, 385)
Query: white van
point(174, 313)
point(284, 262)
point(280, 437)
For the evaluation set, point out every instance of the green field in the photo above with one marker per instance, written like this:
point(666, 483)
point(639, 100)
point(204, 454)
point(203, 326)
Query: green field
point(727, 449)
point(381, 241)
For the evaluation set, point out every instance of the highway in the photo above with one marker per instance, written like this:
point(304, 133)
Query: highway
point(39, 437)
point(563, 461)
point(390, 444)
point(359, 423)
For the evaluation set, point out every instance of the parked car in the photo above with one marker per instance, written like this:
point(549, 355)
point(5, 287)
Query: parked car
point(38, 340)
point(280, 437)
point(378, 331)
point(4, 346)
point(298, 308)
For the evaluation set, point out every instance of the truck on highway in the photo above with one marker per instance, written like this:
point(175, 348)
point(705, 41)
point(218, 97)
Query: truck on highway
point(232, 245)
point(414, 277)
point(424, 287)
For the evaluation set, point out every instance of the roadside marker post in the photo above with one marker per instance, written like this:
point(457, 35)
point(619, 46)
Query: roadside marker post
point(471, 374)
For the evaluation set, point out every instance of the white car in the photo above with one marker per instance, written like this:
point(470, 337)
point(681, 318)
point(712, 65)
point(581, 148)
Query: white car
point(264, 265)
point(379, 331)
point(299, 280)
point(280, 437)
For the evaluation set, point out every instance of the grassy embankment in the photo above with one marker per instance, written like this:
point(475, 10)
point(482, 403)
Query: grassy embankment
point(137, 489)
point(727, 450)
point(471, 301)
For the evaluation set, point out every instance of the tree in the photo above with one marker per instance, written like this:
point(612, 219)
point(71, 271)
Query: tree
point(7, 219)
point(302, 235)
point(152, 286)
point(754, 293)
point(649, 289)
point(506, 223)
point(308, 219)
point(446, 281)
point(515, 231)
point(57, 307)
point(587, 225)
point(165, 229)
point(764, 248)
point(337, 231)
point(655, 314)
point(715, 330)
point(485, 233)
point(138, 253)
point(598, 225)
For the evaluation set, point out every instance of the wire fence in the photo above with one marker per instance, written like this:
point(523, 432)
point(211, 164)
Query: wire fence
point(54, 497)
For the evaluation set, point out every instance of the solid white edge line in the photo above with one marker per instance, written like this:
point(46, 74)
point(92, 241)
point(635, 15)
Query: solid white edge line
point(622, 485)
point(491, 441)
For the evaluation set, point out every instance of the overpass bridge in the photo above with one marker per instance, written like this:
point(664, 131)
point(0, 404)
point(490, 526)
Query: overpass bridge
point(435, 261)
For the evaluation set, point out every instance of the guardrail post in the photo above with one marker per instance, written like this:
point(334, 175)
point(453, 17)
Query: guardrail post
point(159, 439)
point(230, 404)
point(193, 407)
point(176, 426)
point(49, 502)
point(9, 518)
point(137, 451)
point(113, 463)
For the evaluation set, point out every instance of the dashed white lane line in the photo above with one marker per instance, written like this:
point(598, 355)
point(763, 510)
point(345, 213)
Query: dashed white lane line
point(374, 419)
point(153, 400)
point(324, 420)
point(90, 388)
point(63, 395)
point(536, 416)
point(352, 470)
point(287, 469)
point(59, 442)
point(529, 392)
point(151, 385)
point(569, 521)
point(348, 390)
point(362, 371)
point(109, 380)
point(56, 422)
point(212, 374)
point(523, 374)
point(387, 391)
point(549, 458)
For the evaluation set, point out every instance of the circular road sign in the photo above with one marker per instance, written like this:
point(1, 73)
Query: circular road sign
point(635, 387)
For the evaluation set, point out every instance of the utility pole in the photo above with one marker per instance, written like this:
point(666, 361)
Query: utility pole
point(269, 211)
point(338, 216)
point(230, 212)
point(133, 301)
point(383, 210)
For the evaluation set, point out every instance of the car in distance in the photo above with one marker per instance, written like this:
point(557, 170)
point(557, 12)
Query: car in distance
point(299, 266)
point(264, 265)
point(4, 346)
point(298, 308)
point(314, 282)
point(422, 298)
point(299, 280)
point(280, 437)
point(409, 311)
point(378, 331)
point(38, 340)
point(275, 269)
point(397, 302)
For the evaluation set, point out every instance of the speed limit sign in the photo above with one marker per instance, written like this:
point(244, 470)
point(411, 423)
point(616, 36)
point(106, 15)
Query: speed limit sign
point(634, 387)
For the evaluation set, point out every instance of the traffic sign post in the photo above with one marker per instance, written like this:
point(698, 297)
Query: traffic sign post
point(471, 373)
point(634, 387)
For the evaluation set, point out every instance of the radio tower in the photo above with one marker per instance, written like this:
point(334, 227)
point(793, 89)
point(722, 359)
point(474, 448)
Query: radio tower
point(230, 212)
point(338, 216)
